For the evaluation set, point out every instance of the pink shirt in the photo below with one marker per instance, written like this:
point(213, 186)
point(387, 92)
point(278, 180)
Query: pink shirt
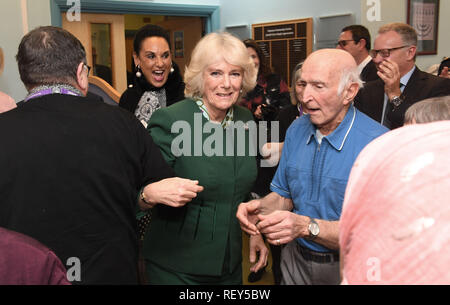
point(395, 223)
point(25, 261)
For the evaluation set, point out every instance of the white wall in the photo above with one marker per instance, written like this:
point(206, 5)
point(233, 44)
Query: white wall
point(37, 13)
point(248, 12)
point(396, 11)
point(191, 2)
point(10, 36)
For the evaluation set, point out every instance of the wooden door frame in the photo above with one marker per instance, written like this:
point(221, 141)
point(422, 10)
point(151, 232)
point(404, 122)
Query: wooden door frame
point(210, 12)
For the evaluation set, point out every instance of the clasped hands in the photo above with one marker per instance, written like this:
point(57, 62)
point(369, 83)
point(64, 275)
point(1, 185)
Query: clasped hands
point(279, 227)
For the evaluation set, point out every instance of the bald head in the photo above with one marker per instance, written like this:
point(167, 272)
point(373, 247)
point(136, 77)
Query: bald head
point(335, 63)
point(330, 80)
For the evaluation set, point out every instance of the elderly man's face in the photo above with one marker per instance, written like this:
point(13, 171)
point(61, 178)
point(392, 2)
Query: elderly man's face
point(320, 81)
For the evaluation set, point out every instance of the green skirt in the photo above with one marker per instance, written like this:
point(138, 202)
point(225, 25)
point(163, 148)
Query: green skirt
point(158, 275)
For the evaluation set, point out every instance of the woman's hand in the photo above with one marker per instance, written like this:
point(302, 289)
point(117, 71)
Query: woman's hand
point(174, 192)
point(247, 214)
point(257, 246)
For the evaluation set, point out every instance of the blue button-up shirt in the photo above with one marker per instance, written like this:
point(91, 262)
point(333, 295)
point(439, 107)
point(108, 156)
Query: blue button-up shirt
point(315, 176)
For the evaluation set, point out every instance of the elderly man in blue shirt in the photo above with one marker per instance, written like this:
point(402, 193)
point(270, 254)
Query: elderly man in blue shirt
point(308, 189)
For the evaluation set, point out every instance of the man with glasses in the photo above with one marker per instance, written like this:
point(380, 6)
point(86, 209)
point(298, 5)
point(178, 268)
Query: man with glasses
point(402, 83)
point(355, 39)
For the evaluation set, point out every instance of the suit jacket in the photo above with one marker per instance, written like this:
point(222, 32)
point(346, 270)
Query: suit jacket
point(369, 73)
point(204, 235)
point(420, 86)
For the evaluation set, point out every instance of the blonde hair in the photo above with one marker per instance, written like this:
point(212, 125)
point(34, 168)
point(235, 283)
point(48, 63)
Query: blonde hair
point(212, 48)
point(296, 74)
point(429, 110)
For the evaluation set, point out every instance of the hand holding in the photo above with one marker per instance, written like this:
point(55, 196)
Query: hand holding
point(247, 215)
point(281, 227)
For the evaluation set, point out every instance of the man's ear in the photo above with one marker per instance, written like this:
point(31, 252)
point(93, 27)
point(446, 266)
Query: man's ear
point(362, 43)
point(412, 50)
point(82, 78)
point(350, 93)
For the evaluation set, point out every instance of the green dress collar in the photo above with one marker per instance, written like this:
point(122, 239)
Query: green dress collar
point(225, 122)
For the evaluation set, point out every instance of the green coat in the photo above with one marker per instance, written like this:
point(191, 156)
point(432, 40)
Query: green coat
point(203, 236)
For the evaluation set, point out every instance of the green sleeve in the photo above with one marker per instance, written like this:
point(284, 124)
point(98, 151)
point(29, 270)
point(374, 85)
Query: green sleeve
point(159, 126)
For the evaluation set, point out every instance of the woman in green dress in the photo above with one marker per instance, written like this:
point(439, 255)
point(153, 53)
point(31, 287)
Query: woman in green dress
point(206, 137)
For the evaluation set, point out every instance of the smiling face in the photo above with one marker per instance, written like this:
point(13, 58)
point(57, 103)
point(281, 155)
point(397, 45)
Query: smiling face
point(222, 83)
point(155, 60)
point(320, 80)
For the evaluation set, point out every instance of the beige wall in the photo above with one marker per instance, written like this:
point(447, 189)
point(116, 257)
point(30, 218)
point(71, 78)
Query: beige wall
point(396, 11)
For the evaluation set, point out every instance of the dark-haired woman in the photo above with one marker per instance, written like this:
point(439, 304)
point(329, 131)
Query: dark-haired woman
point(157, 81)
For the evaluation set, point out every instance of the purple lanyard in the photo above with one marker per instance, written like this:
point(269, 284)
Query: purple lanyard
point(300, 109)
point(51, 91)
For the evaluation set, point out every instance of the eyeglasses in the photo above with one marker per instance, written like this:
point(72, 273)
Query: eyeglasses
point(343, 43)
point(384, 52)
point(88, 68)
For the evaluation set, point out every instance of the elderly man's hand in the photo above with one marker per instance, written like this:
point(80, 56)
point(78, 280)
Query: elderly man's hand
point(174, 192)
point(247, 215)
point(281, 227)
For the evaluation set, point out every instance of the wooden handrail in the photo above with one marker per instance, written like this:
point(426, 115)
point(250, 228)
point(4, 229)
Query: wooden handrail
point(107, 88)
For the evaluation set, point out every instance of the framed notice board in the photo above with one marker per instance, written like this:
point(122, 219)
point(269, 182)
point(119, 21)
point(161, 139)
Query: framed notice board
point(284, 44)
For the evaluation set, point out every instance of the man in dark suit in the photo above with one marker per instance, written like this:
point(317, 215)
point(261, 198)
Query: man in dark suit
point(355, 39)
point(401, 83)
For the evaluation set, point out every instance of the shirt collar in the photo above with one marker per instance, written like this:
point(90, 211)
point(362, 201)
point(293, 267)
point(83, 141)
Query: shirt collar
point(229, 117)
point(338, 137)
point(405, 79)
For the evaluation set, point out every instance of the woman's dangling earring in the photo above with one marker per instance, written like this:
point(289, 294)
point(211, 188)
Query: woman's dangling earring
point(138, 71)
point(171, 69)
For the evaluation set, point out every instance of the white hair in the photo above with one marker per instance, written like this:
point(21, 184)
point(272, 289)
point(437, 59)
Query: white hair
point(348, 76)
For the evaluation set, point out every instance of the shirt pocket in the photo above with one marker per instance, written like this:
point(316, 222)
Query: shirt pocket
point(335, 189)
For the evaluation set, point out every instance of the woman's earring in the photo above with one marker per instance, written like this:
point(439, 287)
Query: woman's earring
point(138, 71)
point(171, 69)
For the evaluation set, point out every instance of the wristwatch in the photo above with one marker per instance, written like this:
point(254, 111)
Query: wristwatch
point(313, 229)
point(396, 100)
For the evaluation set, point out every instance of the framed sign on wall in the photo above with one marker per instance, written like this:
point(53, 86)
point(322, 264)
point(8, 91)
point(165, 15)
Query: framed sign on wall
point(284, 44)
point(423, 16)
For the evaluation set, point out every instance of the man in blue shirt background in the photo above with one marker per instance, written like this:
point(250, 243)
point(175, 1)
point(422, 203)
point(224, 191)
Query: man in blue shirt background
point(308, 189)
